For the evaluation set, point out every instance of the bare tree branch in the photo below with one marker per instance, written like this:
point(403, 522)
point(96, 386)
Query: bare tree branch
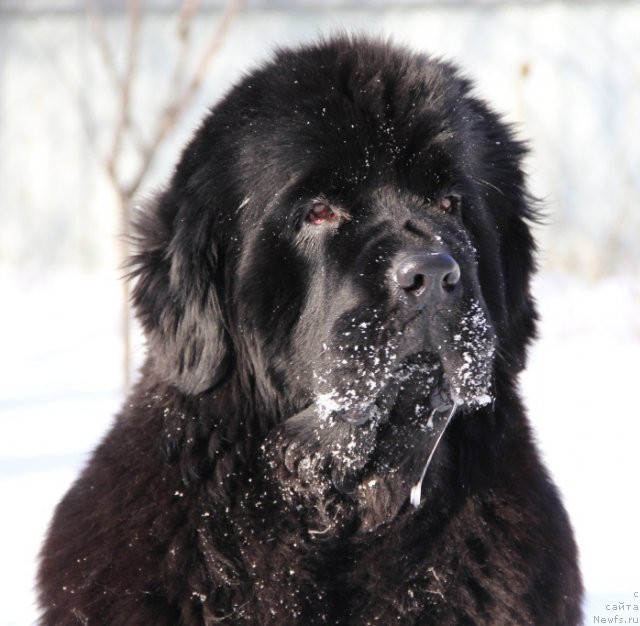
point(179, 103)
point(180, 95)
point(108, 58)
point(74, 92)
point(233, 8)
point(124, 119)
point(121, 82)
point(189, 10)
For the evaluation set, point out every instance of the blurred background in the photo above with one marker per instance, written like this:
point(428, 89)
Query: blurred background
point(98, 97)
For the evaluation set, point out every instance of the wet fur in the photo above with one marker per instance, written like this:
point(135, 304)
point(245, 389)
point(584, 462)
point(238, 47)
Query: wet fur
point(214, 499)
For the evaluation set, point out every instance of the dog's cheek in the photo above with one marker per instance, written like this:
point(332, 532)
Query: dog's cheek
point(269, 292)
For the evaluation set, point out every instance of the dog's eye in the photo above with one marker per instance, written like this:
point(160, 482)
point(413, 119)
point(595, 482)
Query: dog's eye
point(320, 213)
point(450, 203)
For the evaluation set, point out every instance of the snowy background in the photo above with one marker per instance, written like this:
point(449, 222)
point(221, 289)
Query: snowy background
point(566, 73)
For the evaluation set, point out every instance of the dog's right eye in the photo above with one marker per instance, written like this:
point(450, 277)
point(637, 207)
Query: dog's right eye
point(321, 212)
point(450, 204)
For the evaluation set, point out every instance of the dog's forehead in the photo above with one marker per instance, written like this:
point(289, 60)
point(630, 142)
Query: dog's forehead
point(356, 107)
point(344, 159)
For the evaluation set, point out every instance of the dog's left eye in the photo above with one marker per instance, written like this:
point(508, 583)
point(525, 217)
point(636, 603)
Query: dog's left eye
point(320, 213)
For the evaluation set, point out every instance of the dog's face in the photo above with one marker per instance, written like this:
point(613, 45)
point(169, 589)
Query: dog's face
point(337, 230)
point(349, 292)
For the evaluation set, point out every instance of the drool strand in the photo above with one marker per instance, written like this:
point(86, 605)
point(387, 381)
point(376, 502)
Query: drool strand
point(416, 491)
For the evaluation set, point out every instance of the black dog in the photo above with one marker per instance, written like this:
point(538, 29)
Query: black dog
point(335, 292)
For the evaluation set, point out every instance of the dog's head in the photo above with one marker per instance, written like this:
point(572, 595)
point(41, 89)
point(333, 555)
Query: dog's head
point(337, 235)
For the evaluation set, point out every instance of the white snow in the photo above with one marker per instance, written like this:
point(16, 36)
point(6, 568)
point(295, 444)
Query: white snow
point(60, 377)
point(472, 379)
point(580, 391)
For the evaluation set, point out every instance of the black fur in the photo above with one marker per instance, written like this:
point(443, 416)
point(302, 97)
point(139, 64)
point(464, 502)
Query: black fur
point(261, 469)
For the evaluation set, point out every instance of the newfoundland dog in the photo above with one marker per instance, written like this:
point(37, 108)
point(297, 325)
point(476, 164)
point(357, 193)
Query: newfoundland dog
point(334, 288)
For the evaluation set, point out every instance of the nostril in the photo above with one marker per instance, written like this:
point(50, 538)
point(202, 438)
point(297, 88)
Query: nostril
point(417, 285)
point(451, 278)
point(447, 285)
point(409, 276)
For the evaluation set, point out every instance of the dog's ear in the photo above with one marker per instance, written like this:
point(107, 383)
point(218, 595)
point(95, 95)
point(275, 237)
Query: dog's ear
point(178, 274)
point(518, 265)
point(502, 179)
point(514, 211)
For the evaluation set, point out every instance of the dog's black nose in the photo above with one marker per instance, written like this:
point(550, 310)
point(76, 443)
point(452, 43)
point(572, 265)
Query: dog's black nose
point(426, 277)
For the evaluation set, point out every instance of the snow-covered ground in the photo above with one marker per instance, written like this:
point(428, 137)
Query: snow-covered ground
point(60, 381)
point(579, 388)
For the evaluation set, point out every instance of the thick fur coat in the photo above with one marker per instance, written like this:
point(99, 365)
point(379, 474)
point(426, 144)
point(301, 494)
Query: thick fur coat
point(334, 288)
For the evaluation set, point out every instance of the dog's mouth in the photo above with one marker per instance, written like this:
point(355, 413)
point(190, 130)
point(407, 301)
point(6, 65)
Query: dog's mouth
point(422, 405)
point(377, 416)
point(365, 454)
point(376, 401)
point(401, 426)
point(420, 385)
point(364, 385)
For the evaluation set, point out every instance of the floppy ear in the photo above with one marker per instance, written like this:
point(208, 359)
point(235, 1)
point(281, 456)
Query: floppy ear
point(518, 265)
point(504, 188)
point(514, 210)
point(178, 280)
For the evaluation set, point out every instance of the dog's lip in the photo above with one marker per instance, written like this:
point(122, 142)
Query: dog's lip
point(437, 395)
point(357, 416)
